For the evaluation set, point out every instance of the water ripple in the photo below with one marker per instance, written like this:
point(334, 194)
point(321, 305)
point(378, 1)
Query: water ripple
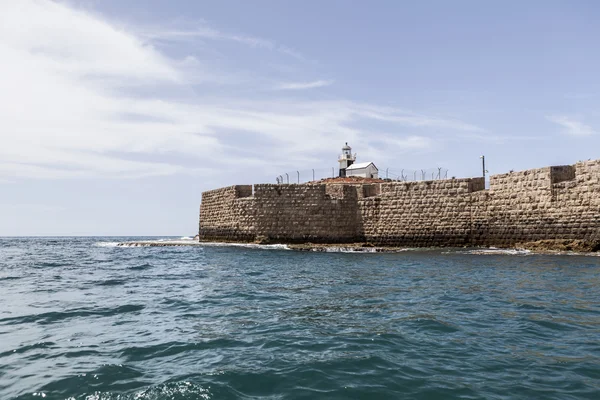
point(54, 316)
point(83, 319)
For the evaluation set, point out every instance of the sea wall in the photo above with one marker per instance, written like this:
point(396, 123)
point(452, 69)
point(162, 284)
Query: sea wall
point(306, 213)
point(429, 213)
point(547, 203)
point(227, 214)
point(286, 213)
point(561, 202)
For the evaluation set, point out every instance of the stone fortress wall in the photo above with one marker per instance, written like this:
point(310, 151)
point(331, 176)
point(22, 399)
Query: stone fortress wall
point(560, 202)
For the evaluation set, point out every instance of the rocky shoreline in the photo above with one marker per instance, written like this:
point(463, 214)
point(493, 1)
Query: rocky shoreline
point(561, 245)
point(556, 246)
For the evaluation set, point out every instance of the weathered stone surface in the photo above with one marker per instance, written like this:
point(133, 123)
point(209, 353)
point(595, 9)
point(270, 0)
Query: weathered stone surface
point(561, 245)
point(547, 203)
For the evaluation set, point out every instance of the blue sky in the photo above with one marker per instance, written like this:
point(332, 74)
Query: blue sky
point(117, 115)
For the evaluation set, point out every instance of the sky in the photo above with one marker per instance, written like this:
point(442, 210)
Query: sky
point(116, 115)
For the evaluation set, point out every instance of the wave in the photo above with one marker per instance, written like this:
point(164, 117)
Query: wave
point(594, 254)
point(143, 243)
point(493, 251)
point(54, 316)
point(342, 249)
point(141, 267)
point(179, 242)
point(520, 252)
point(106, 244)
point(247, 245)
point(170, 390)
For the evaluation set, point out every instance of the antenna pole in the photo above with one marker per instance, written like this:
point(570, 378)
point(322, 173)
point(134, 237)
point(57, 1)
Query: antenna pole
point(483, 165)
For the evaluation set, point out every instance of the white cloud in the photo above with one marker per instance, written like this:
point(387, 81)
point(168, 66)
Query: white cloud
point(496, 139)
point(66, 41)
point(408, 118)
point(571, 126)
point(70, 90)
point(203, 31)
point(413, 142)
point(32, 207)
point(304, 85)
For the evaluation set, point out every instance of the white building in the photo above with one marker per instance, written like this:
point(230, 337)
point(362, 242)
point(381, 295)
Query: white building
point(363, 170)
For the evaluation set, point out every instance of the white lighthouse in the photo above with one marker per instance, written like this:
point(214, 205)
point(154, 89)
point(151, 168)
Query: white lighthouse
point(346, 159)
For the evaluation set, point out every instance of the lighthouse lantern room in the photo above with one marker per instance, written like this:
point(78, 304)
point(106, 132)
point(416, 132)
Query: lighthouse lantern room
point(346, 159)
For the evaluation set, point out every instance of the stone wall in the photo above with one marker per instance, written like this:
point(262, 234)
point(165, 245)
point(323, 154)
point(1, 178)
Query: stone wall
point(429, 213)
point(227, 214)
point(560, 202)
point(547, 203)
point(306, 213)
point(286, 213)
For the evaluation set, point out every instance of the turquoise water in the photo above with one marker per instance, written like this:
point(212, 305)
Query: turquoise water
point(82, 319)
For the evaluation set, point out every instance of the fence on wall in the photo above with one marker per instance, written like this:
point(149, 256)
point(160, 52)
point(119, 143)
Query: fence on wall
point(391, 174)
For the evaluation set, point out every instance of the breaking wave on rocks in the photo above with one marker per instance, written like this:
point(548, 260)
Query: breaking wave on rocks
point(186, 241)
point(492, 251)
point(106, 244)
point(495, 251)
point(190, 243)
point(247, 245)
point(345, 249)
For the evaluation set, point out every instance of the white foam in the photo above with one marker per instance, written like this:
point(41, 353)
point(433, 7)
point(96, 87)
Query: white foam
point(247, 245)
point(106, 244)
point(190, 242)
point(185, 238)
point(494, 251)
point(595, 254)
point(342, 249)
point(346, 250)
point(521, 252)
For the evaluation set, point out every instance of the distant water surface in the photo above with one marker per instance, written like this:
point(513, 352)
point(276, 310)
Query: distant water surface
point(83, 319)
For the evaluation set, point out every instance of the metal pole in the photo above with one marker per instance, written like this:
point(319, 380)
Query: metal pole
point(298, 172)
point(313, 174)
point(483, 165)
point(332, 173)
point(288, 177)
point(386, 173)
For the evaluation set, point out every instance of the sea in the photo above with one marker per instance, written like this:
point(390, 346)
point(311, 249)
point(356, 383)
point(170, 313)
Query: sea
point(83, 318)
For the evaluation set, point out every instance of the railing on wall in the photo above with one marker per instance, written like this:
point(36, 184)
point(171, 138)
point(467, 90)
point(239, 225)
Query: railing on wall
point(406, 175)
point(389, 174)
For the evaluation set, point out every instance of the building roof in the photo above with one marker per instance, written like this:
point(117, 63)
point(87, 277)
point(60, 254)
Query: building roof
point(361, 165)
point(348, 179)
